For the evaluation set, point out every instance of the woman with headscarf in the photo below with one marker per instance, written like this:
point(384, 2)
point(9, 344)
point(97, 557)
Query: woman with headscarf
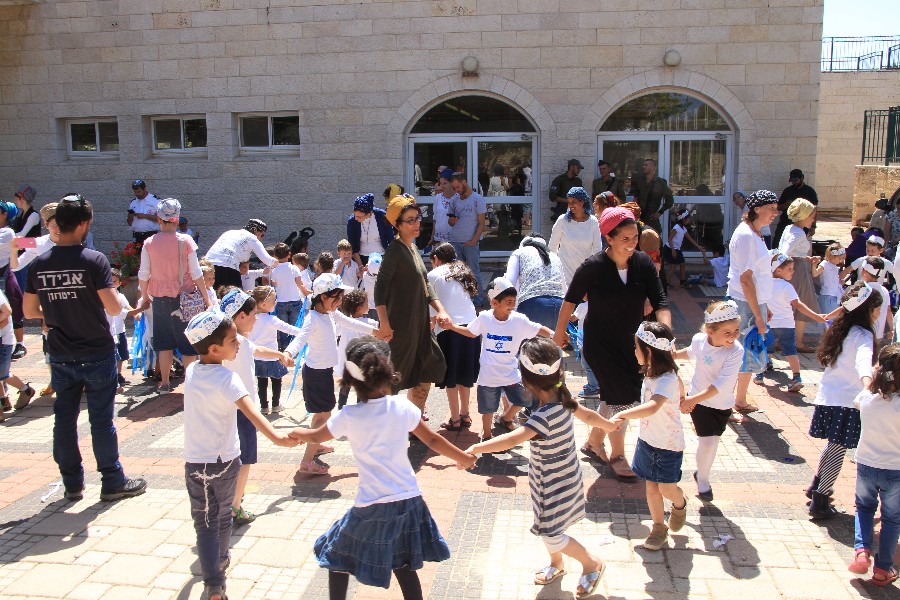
point(169, 266)
point(616, 282)
point(576, 233)
point(402, 298)
point(237, 246)
point(750, 283)
point(739, 198)
point(367, 230)
point(795, 244)
point(537, 274)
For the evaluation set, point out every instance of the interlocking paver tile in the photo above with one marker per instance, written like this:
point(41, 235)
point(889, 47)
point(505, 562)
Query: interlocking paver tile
point(130, 569)
point(49, 580)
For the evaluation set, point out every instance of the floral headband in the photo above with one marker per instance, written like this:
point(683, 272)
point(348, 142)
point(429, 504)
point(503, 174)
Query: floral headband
point(540, 368)
point(649, 338)
point(858, 298)
point(727, 311)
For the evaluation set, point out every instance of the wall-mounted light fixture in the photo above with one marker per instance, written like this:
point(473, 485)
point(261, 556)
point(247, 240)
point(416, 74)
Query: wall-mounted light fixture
point(470, 66)
point(672, 58)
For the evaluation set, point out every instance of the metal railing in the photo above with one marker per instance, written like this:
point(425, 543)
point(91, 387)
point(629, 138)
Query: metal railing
point(872, 53)
point(881, 136)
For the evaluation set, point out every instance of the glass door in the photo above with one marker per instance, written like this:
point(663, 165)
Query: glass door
point(428, 154)
point(626, 155)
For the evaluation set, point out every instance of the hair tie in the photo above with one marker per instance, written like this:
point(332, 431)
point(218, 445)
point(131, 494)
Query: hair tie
point(354, 370)
point(559, 383)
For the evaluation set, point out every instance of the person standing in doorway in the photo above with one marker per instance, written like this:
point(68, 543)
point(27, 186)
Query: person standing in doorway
point(797, 189)
point(652, 194)
point(142, 212)
point(560, 186)
point(466, 218)
point(608, 182)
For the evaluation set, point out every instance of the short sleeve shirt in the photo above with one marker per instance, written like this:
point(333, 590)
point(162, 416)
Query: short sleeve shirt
point(147, 206)
point(783, 293)
point(467, 211)
point(66, 280)
point(715, 365)
point(210, 424)
point(663, 428)
point(500, 341)
point(748, 252)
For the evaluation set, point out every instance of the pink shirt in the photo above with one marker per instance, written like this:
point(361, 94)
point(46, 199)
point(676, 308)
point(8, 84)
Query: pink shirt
point(159, 264)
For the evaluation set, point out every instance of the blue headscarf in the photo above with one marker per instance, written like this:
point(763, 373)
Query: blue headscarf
point(10, 209)
point(364, 203)
point(579, 194)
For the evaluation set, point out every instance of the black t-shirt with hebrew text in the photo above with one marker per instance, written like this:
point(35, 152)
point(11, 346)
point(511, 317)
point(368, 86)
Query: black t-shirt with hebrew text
point(66, 280)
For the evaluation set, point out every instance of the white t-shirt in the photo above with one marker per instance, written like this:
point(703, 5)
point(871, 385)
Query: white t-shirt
point(117, 322)
point(500, 341)
point(210, 426)
point(369, 237)
point(147, 206)
point(783, 293)
point(265, 331)
point(748, 252)
point(574, 242)
point(881, 323)
point(830, 279)
point(7, 337)
point(663, 429)
point(441, 208)
point(248, 281)
point(715, 365)
point(349, 273)
point(6, 236)
point(369, 285)
point(244, 367)
point(794, 242)
point(678, 239)
point(236, 246)
point(841, 382)
point(41, 245)
point(345, 336)
point(720, 270)
point(879, 441)
point(378, 431)
point(454, 298)
point(318, 331)
point(284, 279)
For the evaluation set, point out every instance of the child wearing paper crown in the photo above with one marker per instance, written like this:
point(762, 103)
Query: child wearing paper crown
point(211, 445)
point(873, 273)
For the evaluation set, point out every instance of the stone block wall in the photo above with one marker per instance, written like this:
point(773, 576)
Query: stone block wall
point(868, 185)
point(358, 73)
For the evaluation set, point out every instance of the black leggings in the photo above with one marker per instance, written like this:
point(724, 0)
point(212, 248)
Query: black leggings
point(262, 387)
point(407, 578)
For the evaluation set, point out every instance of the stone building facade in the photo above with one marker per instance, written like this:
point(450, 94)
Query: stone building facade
point(307, 103)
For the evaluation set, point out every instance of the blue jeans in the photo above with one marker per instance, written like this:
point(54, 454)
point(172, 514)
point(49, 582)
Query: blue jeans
point(872, 483)
point(287, 312)
point(542, 309)
point(471, 255)
point(210, 487)
point(592, 386)
point(95, 376)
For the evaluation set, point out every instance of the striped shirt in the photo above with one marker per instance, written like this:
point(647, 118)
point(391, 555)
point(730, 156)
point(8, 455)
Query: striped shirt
point(554, 473)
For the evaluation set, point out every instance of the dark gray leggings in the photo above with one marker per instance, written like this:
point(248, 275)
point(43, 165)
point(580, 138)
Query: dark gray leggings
point(407, 578)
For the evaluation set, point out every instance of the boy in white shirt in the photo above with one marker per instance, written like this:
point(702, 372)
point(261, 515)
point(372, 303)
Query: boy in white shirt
point(873, 271)
point(783, 302)
point(345, 266)
point(874, 248)
point(249, 276)
point(370, 275)
point(211, 446)
point(117, 326)
point(503, 330)
point(7, 344)
point(287, 280)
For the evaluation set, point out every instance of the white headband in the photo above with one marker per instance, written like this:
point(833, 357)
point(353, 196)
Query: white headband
point(540, 369)
point(727, 311)
point(838, 252)
point(684, 214)
point(354, 370)
point(857, 300)
point(871, 269)
point(778, 260)
point(650, 339)
point(876, 240)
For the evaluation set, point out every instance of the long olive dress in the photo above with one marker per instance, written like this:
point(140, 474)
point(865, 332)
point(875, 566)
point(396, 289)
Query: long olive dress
point(402, 287)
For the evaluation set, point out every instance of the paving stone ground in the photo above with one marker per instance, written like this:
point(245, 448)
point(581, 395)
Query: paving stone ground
point(144, 547)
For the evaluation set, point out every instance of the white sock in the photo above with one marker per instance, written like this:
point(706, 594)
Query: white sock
point(706, 454)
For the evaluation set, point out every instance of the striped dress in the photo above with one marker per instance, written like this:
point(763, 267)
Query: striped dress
point(557, 491)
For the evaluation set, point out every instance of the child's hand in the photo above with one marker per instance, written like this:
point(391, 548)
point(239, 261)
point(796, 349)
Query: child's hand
point(468, 463)
point(822, 318)
point(296, 434)
point(687, 406)
point(286, 359)
point(473, 450)
point(613, 425)
point(286, 441)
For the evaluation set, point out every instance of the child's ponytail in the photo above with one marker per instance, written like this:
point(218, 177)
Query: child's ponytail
point(564, 395)
point(368, 367)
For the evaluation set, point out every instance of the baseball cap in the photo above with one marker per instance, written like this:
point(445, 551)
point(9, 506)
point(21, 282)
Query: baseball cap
point(138, 183)
point(795, 174)
point(328, 282)
point(498, 286)
point(576, 162)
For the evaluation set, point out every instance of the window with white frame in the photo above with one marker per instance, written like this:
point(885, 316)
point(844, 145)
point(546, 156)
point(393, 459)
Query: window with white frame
point(269, 131)
point(181, 134)
point(93, 137)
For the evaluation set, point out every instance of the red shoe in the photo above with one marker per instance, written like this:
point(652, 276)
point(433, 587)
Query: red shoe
point(862, 560)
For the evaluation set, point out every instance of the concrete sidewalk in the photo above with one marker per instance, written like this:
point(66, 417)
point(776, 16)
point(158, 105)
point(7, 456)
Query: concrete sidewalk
point(144, 547)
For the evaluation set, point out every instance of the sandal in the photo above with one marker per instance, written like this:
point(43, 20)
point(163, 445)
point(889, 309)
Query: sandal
point(313, 467)
point(621, 469)
point(862, 560)
point(452, 425)
point(548, 575)
point(466, 420)
point(588, 582)
point(881, 578)
point(323, 449)
point(240, 517)
point(507, 425)
point(599, 454)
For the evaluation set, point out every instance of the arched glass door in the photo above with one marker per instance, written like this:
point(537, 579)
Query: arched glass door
point(482, 137)
point(693, 146)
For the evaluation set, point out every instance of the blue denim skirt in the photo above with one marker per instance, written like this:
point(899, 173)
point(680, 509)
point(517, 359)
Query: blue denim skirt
point(655, 464)
point(369, 542)
point(270, 368)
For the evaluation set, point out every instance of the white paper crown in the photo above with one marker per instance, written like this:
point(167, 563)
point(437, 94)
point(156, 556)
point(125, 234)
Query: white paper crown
point(838, 252)
point(540, 368)
point(727, 311)
point(871, 269)
point(778, 260)
point(202, 325)
point(660, 343)
point(858, 299)
point(876, 240)
point(684, 214)
point(232, 302)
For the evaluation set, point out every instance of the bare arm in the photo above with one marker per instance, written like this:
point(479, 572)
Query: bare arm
point(561, 335)
point(644, 410)
point(31, 306)
point(461, 329)
point(262, 424)
point(110, 300)
point(442, 446)
point(804, 309)
point(312, 436)
point(503, 442)
point(593, 419)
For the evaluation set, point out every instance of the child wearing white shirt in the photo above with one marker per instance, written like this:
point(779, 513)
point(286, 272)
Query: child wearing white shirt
point(356, 305)
point(264, 334)
point(211, 446)
point(345, 266)
point(117, 326)
point(286, 279)
point(369, 277)
point(829, 273)
point(503, 330)
point(873, 273)
point(874, 248)
point(249, 276)
point(7, 344)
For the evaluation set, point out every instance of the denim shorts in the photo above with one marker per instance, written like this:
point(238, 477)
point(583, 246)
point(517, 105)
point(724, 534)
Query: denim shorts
point(168, 328)
point(655, 464)
point(5, 360)
point(489, 397)
point(788, 338)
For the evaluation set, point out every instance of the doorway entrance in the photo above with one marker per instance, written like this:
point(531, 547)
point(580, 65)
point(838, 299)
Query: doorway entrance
point(485, 138)
point(693, 146)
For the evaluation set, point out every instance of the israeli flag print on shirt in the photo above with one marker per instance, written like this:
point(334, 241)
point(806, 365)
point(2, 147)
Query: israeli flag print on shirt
point(500, 342)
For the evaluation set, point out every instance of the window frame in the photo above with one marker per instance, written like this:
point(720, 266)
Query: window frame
point(271, 148)
point(98, 153)
point(202, 150)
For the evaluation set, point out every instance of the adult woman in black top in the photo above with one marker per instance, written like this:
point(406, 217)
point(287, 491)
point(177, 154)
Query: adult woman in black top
point(616, 282)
